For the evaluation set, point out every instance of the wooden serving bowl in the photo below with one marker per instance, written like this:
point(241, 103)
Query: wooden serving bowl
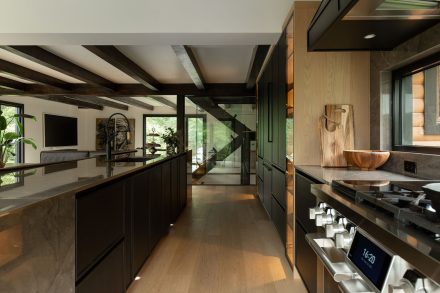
point(366, 159)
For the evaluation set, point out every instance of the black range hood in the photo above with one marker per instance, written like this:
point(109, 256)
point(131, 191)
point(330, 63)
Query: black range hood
point(369, 25)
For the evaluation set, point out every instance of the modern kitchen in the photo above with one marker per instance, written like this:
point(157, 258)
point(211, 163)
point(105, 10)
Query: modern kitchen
point(232, 146)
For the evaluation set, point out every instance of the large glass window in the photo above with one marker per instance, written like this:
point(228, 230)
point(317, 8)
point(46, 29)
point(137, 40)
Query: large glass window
point(417, 106)
point(9, 110)
point(155, 126)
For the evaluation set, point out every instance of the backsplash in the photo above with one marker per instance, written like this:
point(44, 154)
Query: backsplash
point(428, 166)
point(382, 65)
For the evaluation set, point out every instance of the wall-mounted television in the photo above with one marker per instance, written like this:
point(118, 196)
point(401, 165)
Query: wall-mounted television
point(60, 131)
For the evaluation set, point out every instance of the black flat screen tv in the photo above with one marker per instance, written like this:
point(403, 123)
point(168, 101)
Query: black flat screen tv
point(60, 131)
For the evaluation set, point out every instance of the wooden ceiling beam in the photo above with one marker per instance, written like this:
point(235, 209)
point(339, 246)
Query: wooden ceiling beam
point(138, 90)
point(48, 59)
point(12, 84)
point(133, 102)
point(115, 57)
point(164, 101)
point(71, 101)
point(101, 102)
point(31, 75)
point(189, 62)
point(256, 64)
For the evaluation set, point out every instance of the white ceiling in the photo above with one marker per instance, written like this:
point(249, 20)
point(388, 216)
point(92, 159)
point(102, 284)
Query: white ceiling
point(227, 64)
point(86, 59)
point(136, 22)
point(160, 61)
point(223, 34)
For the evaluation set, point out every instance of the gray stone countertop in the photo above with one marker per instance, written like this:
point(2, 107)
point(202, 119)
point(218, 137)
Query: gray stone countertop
point(327, 175)
point(22, 188)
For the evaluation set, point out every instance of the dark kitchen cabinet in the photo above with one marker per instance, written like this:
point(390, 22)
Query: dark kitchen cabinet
point(140, 224)
point(279, 186)
point(267, 188)
point(305, 259)
point(155, 206)
point(272, 98)
point(182, 183)
point(119, 223)
point(166, 197)
point(107, 276)
point(99, 225)
point(175, 200)
point(279, 218)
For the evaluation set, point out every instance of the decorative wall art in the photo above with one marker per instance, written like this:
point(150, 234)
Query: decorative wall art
point(120, 141)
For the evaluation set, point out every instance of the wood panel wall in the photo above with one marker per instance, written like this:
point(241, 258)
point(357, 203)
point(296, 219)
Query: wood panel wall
point(322, 78)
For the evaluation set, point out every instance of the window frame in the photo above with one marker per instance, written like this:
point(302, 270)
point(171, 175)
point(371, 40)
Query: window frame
point(396, 104)
point(21, 148)
point(144, 128)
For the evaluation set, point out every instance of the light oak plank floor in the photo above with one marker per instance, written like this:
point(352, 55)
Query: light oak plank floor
point(223, 242)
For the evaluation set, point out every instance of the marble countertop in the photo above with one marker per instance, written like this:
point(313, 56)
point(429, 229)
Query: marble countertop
point(21, 188)
point(327, 175)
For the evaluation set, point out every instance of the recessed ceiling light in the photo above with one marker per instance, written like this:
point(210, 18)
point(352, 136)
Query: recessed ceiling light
point(369, 36)
point(137, 278)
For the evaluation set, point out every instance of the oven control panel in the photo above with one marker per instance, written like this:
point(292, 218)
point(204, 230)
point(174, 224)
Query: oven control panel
point(359, 263)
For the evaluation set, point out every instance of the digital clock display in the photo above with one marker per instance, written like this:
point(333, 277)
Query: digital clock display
point(370, 259)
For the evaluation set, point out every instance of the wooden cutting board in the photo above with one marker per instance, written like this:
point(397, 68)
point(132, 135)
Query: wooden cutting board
point(337, 134)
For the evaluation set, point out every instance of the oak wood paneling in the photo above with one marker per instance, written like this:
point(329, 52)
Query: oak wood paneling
point(322, 78)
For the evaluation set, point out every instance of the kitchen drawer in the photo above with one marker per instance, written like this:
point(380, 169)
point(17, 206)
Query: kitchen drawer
point(260, 168)
point(305, 259)
point(304, 200)
point(279, 186)
point(99, 223)
point(279, 219)
point(107, 276)
point(260, 184)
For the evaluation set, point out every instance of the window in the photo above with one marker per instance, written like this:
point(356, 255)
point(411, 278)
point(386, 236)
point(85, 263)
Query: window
point(9, 110)
point(416, 124)
point(156, 125)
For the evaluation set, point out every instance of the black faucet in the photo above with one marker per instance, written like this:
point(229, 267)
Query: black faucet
point(111, 136)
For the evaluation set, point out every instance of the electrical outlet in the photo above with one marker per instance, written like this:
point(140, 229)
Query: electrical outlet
point(410, 167)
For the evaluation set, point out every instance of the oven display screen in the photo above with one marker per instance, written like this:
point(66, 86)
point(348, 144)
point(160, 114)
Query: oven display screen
point(370, 259)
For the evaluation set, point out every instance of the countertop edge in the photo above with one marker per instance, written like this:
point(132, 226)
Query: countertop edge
point(75, 190)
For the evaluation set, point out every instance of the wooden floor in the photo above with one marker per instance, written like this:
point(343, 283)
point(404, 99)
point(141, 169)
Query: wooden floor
point(223, 242)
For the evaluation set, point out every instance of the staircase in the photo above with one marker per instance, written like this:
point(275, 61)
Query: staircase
point(228, 120)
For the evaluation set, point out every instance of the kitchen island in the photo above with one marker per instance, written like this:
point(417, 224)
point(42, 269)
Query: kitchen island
point(86, 225)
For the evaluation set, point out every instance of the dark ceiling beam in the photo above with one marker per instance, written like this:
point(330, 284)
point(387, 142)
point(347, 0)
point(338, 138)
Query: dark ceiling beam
point(164, 101)
point(48, 59)
point(12, 84)
point(256, 64)
point(113, 56)
point(189, 62)
point(138, 90)
point(234, 100)
point(70, 101)
point(101, 102)
point(31, 75)
point(133, 102)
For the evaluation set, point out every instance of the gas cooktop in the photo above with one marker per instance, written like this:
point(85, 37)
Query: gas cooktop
point(404, 200)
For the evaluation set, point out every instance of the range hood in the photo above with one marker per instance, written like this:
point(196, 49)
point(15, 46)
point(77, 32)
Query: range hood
point(348, 25)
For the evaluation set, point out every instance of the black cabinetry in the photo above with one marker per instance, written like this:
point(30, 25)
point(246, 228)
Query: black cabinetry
point(272, 97)
point(305, 257)
point(119, 223)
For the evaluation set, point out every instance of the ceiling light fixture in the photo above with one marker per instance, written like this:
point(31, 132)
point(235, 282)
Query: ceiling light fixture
point(369, 36)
